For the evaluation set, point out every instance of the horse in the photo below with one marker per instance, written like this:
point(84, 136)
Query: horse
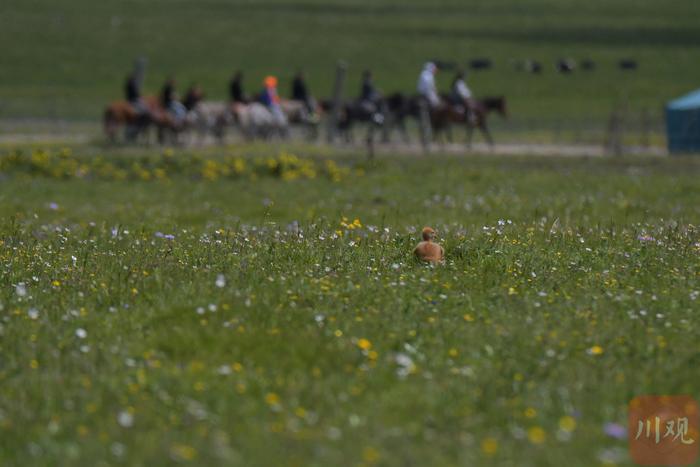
point(210, 117)
point(298, 113)
point(257, 121)
point(473, 117)
point(124, 114)
point(400, 107)
point(137, 121)
point(354, 112)
point(169, 127)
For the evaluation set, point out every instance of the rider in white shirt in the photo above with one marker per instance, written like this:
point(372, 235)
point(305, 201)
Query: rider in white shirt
point(459, 87)
point(426, 85)
point(461, 95)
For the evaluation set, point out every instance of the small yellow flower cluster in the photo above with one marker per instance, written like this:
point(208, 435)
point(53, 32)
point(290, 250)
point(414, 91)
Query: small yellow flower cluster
point(347, 225)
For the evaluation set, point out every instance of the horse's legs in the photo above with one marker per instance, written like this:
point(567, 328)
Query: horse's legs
point(370, 140)
point(386, 133)
point(145, 134)
point(111, 129)
point(220, 134)
point(387, 123)
point(404, 131)
point(131, 130)
point(219, 129)
point(487, 134)
point(470, 135)
point(349, 136)
point(438, 133)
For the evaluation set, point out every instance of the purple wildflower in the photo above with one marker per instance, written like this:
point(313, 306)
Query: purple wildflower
point(615, 430)
point(165, 236)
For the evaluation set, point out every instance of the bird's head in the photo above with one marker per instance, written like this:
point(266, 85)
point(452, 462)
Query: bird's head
point(428, 234)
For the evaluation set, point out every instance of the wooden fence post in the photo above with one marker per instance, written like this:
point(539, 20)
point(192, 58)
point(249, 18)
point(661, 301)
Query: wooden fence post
point(140, 70)
point(340, 71)
point(614, 143)
point(646, 128)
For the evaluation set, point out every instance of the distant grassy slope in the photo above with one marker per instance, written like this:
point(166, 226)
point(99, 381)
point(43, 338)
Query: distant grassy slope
point(68, 58)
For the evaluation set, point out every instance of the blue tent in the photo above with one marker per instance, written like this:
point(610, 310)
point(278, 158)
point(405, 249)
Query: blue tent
point(683, 124)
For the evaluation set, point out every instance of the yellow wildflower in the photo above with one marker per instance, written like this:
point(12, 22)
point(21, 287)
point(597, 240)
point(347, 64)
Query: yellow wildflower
point(364, 344)
point(536, 435)
point(272, 399)
point(489, 446)
point(567, 423)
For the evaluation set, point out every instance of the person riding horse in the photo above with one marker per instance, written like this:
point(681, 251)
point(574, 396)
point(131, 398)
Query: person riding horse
point(132, 90)
point(426, 86)
point(169, 102)
point(370, 96)
point(271, 100)
point(370, 102)
point(193, 97)
point(461, 97)
point(300, 93)
point(235, 89)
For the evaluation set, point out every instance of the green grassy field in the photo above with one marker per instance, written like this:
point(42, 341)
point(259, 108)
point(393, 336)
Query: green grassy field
point(241, 307)
point(67, 59)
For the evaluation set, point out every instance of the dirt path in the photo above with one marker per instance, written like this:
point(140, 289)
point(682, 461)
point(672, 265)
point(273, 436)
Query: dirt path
point(519, 149)
point(512, 149)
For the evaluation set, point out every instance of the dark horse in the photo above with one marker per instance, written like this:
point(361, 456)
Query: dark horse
point(474, 118)
point(441, 119)
point(352, 113)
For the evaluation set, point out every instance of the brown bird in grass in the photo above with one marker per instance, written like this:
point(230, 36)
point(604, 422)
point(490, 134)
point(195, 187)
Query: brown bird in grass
point(427, 250)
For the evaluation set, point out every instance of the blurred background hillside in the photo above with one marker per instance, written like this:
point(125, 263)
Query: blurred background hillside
point(67, 59)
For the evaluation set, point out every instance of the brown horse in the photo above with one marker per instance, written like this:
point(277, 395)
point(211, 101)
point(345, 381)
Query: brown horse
point(122, 113)
point(136, 122)
point(473, 117)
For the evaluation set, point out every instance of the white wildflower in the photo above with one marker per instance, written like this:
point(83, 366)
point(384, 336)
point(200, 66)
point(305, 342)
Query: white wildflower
point(125, 419)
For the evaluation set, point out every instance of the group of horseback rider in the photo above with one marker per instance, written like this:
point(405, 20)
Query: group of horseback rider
point(369, 100)
point(460, 96)
point(168, 99)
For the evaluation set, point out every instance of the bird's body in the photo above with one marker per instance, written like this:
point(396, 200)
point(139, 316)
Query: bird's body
point(427, 250)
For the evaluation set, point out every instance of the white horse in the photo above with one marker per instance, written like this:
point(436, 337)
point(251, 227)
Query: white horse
point(258, 121)
point(210, 118)
point(298, 114)
point(254, 120)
